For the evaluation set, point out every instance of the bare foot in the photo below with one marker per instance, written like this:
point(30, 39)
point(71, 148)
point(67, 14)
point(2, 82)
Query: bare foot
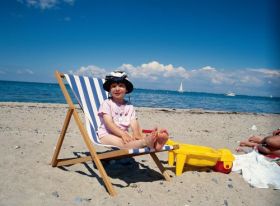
point(161, 139)
point(255, 139)
point(246, 143)
point(151, 139)
point(244, 149)
point(239, 149)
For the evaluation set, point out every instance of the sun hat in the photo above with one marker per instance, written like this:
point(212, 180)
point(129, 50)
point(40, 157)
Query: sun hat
point(117, 77)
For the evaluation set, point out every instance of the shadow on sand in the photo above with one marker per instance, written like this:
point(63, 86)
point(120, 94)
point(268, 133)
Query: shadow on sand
point(126, 169)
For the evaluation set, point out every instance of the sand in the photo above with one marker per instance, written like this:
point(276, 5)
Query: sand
point(29, 132)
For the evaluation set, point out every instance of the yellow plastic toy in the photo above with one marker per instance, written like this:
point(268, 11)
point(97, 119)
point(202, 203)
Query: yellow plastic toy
point(200, 156)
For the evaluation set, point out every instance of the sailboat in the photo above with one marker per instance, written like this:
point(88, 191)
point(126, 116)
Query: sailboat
point(230, 94)
point(181, 88)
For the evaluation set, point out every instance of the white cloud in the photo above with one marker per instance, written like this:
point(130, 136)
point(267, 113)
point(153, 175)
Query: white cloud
point(249, 79)
point(208, 69)
point(90, 71)
point(211, 75)
point(154, 70)
point(150, 71)
point(45, 4)
point(217, 79)
point(267, 72)
point(154, 75)
point(227, 77)
point(25, 71)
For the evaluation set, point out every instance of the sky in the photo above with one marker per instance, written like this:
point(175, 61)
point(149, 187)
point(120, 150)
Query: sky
point(212, 46)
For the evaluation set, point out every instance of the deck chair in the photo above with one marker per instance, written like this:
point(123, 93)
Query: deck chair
point(90, 94)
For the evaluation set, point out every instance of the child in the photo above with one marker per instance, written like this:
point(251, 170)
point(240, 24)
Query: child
point(118, 115)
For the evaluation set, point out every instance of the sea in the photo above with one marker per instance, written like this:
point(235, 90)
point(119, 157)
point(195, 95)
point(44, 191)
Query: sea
point(12, 91)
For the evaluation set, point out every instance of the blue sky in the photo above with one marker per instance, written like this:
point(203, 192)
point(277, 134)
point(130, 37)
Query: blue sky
point(212, 46)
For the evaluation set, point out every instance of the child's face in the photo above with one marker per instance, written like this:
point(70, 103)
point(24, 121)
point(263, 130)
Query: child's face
point(118, 91)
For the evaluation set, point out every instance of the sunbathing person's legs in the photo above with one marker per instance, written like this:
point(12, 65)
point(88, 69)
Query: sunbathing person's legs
point(250, 142)
point(246, 143)
point(266, 151)
point(267, 145)
point(270, 145)
point(255, 139)
point(273, 141)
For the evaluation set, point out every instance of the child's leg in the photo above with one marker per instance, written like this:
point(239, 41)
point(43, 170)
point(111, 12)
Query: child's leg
point(112, 140)
point(136, 129)
point(135, 144)
point(147, 141)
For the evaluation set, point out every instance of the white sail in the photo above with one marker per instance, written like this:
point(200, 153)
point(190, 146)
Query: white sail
point(181, 88)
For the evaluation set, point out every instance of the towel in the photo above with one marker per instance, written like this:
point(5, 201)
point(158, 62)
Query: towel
point(257, 170)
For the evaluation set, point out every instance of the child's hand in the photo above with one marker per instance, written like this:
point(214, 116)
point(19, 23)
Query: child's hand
point(126, 137)
point(137, 137)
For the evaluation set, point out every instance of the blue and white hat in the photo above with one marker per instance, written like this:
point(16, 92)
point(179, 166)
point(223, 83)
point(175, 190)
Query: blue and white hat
point(117, 77)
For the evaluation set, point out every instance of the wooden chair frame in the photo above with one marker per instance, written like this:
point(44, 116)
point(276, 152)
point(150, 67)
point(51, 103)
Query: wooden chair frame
point(94, 156)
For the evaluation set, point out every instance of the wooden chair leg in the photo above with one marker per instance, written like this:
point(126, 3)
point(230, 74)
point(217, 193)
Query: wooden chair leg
point(61, 137)
point(105, 177)
point(94, 155)
point(86, 138)
point(160, 166)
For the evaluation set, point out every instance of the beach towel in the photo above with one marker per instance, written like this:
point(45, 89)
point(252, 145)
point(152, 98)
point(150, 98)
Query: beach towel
point(257, 170)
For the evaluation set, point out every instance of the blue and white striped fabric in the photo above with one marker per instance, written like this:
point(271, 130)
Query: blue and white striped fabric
point(90, 94)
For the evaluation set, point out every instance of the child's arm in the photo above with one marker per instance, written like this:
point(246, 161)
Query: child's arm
point(136, 129)
point(115, 129)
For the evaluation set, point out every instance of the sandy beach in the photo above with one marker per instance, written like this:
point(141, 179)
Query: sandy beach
point(29, 131)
